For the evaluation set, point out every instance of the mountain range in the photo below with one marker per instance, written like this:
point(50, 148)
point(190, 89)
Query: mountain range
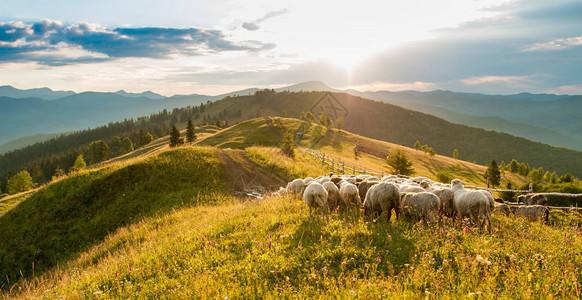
point(548, 118)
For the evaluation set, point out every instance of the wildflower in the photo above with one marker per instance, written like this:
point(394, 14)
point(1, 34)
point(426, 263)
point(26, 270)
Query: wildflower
point(441, 230)
point(343, 263)
point(378, 259)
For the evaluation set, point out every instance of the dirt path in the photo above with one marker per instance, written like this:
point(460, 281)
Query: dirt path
point(245, 177)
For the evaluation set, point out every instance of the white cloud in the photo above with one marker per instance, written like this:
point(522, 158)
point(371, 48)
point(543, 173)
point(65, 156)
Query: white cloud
point(575, 89)
point(557, 44)
point(391, 86)
point(499, 79)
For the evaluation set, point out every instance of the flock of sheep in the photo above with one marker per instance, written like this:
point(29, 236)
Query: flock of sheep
point(412, 199)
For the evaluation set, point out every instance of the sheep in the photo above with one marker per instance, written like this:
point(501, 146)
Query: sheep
point(308, 180)
point(280, 192)
point(315, 196)
point(322, 180)
point(296, 187)
point(427, 185)
point(502, 208)
point(421, 206)
point(489, 198)
point(411, 189)
point(532, 212)
point(333, 195)
point(381, 197)
point(336, 180)
point(349, 195)
point(419, 179)
point(469, 203)
point(446, 196)
point(364, 186)
point(533, 199)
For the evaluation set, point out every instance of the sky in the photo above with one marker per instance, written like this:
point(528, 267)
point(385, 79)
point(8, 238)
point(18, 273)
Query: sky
point(212, 47)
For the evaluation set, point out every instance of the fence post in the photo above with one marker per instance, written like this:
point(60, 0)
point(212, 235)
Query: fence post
point(332, 165)
point(343, 168)
point(323, 160)
point(531, 188)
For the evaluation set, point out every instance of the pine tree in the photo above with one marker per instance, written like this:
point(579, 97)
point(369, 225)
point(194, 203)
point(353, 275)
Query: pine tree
point(115, 146)
point(493, 174)
point(284, 113)
point(288, 146)
point(175, 139)
point(126, 146)
point(79, 164)
point(21, 182)
point(455, 153)
point(324, 119)
point(417, 145)
point(190, 135)
point(508, 196)
point(400, 163)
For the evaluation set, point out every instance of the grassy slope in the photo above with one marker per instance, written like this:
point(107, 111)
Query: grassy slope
point(395, 124)
point(270, 248)
point(67, 217)
point(339, 144)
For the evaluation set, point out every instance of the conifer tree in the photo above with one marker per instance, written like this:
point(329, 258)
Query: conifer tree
point(288, 146)
point(455, 153)
point(400, 163)
point(175, 139)
point(493, 174)
point(190, 135)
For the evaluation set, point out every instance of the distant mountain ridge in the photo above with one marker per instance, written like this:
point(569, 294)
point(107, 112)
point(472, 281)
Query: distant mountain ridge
point(43, 93)
point(548, 118)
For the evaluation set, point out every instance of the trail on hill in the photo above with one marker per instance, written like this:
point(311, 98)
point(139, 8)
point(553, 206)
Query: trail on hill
point(247, 178)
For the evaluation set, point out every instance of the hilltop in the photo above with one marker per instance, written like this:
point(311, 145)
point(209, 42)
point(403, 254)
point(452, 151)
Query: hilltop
point(162, 222)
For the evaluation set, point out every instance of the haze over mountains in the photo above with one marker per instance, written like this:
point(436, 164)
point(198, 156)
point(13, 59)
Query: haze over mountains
point(551, 119)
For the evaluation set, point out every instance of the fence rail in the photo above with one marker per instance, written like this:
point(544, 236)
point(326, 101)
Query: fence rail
point(339, 165)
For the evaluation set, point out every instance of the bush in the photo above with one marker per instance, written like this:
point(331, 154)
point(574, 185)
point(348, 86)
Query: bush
point(444, 176)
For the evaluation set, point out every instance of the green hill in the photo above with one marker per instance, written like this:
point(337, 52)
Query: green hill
point(391, 123)
point(177, 224)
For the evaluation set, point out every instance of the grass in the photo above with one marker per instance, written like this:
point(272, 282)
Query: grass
point(65, 218)
point(271, 249)
point(339, 145)
point(282, 165)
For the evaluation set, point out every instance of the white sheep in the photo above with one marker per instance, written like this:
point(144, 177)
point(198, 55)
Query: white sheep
point(489, 198)
point(323, 179)
point(315, 196)
point(446, 196)
point(421, 206)
point(280, 192)
point(308, 180)
point(296, 187)
point(502, 208)
point(333, 195)
point(470, 203)
point(411, 189)
point(382, 197)
point(532, 212)
point(349, 194)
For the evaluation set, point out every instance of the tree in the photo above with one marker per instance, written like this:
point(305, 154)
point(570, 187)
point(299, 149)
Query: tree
point(417, 145)
point(514, 166)
point(324, 119)
point(58, 173)
point(356, 149)
point(175, 139)
point(284, 113)
point(508, 196)
point(493, 174)
point(302, 116)
point(456, 154)
point(21, 182)
point(79, 164)
point(566, 178)
point(554, 178)
point(400, 163)
point(190, 135)
point(115, 146)
point(126, 146)
point(309, 116)
point(339, 123)
point(99, 151)
point(144, 138)
point(288, 146)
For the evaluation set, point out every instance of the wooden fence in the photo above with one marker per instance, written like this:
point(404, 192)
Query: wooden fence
point(339, 166)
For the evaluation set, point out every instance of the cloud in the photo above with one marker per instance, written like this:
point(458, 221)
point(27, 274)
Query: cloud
point(497, 79)
point(252, 26)
point(36, 42)
point(557, 44)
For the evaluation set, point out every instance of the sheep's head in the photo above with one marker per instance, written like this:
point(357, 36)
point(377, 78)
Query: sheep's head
point(456, 184)
point(424, 184)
